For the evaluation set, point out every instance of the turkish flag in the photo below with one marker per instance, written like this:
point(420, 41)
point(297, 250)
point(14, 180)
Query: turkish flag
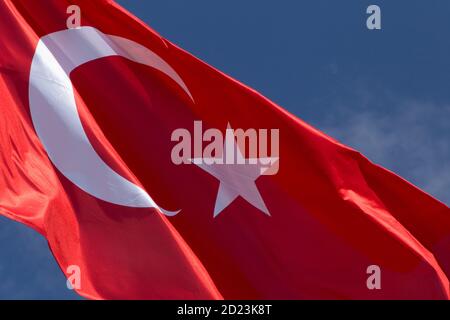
point(110, 146)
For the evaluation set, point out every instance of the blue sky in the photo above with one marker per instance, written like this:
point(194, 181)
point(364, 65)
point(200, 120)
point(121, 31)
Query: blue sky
point(384, 92)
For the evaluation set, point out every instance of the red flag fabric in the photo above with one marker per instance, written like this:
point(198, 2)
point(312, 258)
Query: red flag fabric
point(110, 141)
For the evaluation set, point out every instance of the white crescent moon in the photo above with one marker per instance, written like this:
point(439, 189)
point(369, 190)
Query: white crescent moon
point(55, 116)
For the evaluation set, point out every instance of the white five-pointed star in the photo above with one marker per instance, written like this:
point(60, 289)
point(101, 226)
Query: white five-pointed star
point(238, 178)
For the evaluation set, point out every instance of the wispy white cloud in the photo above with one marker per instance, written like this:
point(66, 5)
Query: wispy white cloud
point(409, 137)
